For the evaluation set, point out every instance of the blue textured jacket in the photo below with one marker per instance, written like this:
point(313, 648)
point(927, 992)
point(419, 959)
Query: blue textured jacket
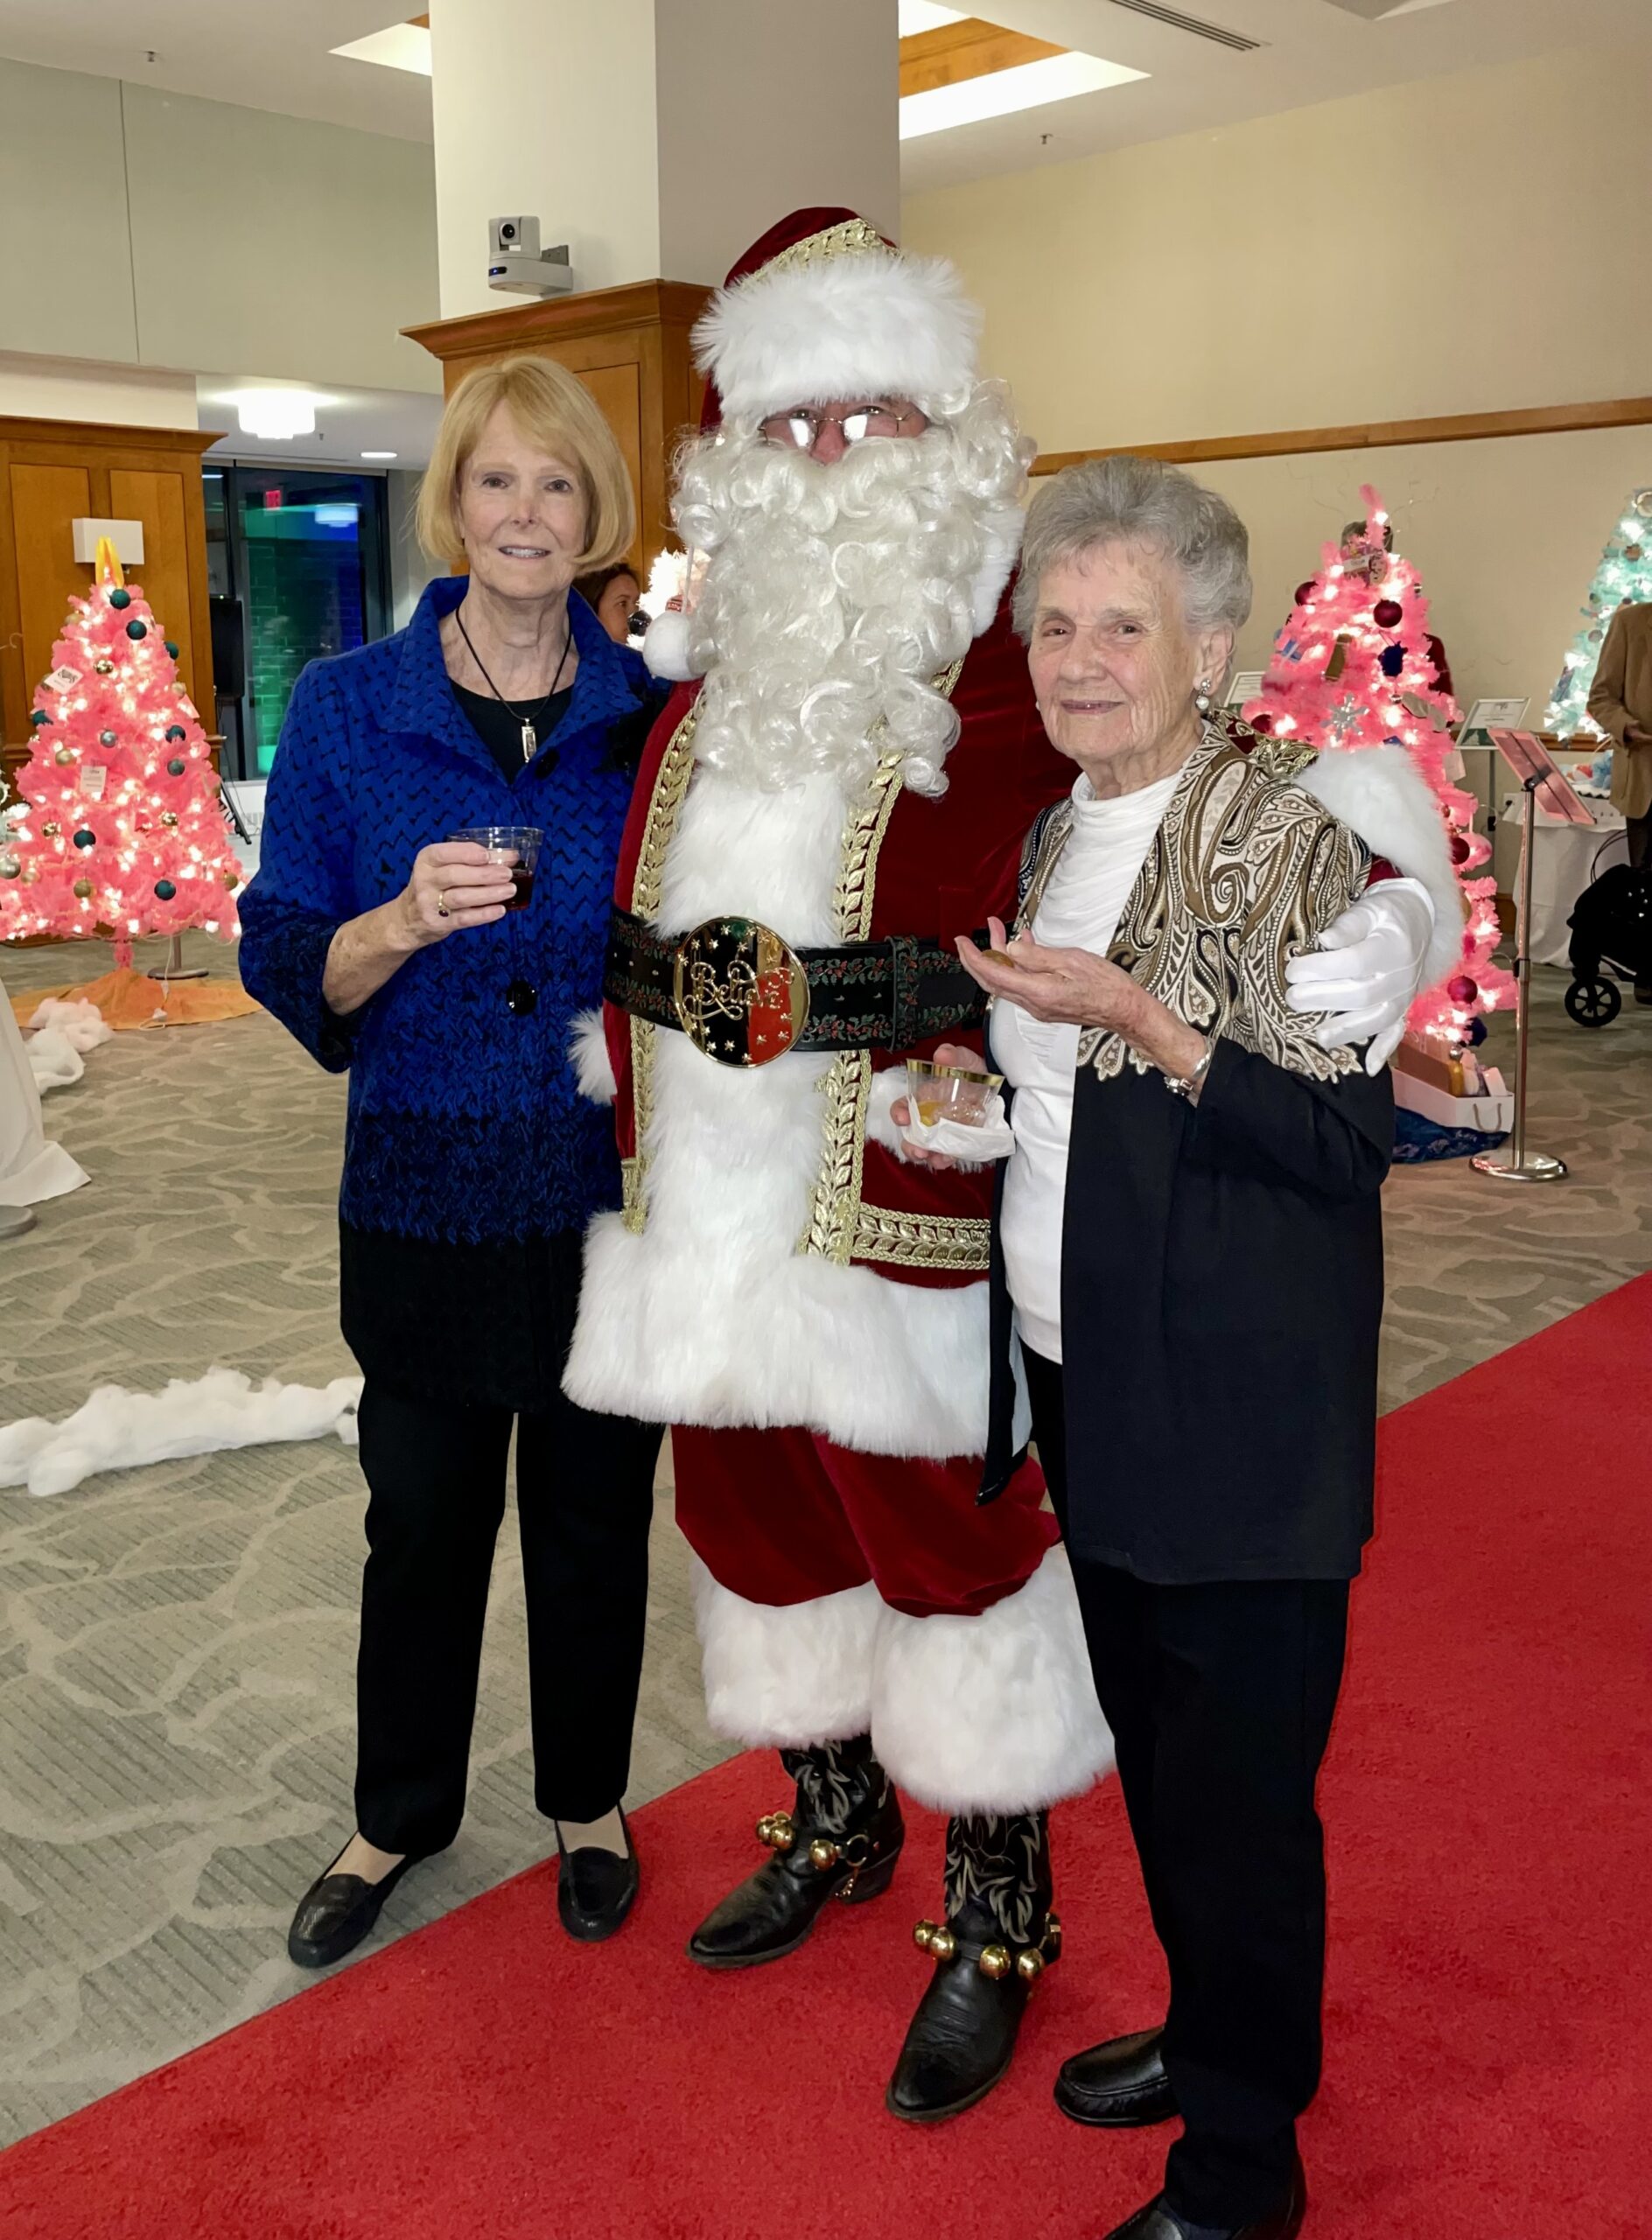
point(465, 1124)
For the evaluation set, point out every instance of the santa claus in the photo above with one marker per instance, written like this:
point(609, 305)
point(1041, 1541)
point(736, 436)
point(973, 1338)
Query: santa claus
point(840, 785)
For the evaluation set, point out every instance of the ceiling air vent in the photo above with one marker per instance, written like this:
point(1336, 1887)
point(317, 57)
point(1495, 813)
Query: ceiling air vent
point(1178, 22)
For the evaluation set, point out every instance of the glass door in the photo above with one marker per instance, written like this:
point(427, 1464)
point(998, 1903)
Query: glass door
point(304, 563)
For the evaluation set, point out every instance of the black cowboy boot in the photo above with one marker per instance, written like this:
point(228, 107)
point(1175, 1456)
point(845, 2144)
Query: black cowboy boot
point(999, 1937)
point(841, 1840)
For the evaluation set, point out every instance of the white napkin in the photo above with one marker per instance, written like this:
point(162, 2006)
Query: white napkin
point(994, 1138)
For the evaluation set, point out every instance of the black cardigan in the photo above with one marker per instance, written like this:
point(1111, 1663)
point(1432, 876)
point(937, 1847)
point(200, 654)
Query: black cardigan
point(1222, 1292)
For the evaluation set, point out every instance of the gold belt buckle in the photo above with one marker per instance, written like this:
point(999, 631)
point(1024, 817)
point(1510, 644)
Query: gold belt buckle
point(740, 992)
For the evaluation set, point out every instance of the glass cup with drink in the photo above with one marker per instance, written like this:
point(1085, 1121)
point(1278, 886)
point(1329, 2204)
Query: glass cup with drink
point(955, 1093)
point(515, 847)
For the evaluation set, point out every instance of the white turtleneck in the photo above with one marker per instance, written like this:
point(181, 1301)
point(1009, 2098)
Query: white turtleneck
point(1080, 909)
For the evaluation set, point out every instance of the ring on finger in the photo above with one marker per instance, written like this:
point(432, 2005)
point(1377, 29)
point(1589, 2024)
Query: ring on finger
point(441, 905)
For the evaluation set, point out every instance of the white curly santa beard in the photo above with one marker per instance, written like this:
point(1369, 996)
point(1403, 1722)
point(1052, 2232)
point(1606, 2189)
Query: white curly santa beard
point(835, 593)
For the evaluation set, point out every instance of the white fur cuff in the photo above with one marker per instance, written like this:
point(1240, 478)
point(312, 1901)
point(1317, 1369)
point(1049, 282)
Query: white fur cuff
point(996, 1713)
point(1379, 793)
point(588, 1054)
point(787, 1675)
point(886, 1088)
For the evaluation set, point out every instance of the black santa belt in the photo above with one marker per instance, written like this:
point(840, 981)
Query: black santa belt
point(745, 997)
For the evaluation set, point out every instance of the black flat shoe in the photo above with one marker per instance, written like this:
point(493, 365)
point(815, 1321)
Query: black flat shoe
point(1158, 2221)
point(596, 1889)
point(1120, 2085)
point(773, 1910)
point(962, 2039)
point(337, 1911)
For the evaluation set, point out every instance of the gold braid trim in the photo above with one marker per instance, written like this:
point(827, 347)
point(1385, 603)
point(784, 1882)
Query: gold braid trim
point(841, 1228)
point(955, 1241)
point(671, 789)
point(849, 237)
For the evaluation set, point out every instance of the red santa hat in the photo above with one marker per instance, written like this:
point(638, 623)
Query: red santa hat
point(824, 306)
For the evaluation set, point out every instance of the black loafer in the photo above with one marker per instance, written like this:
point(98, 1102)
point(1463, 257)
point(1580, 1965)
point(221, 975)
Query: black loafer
point(1158, 2221)
point(337, 1911)
point(1120, 2085)
point(595, 1888)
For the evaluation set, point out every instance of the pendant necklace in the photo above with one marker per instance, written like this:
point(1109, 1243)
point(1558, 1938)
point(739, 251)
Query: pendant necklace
point(528, 722)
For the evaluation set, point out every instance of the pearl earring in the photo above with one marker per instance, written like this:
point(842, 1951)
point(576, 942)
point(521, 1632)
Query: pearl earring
point(1202, 695)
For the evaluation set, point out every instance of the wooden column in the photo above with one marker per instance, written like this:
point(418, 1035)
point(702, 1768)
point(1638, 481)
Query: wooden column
point(55, 471)
point(630, 347)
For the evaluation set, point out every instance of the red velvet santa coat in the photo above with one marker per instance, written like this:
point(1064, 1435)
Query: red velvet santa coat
point(777, 1262)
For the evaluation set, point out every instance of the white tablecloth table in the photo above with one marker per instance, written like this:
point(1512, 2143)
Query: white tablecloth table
point(1568, 857)
point(31, 1169)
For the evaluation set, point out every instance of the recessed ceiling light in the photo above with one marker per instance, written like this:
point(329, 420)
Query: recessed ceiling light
point(404, 46)
point(1001, 93)
point(276, 415)
point(378, 454)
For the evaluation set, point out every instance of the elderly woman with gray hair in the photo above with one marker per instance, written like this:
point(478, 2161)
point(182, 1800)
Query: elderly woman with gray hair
point(1191, 1218)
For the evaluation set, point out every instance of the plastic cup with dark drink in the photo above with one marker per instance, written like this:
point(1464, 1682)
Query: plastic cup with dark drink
point(516, 847)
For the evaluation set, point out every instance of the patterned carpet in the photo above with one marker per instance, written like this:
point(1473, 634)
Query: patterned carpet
point(177, 1642)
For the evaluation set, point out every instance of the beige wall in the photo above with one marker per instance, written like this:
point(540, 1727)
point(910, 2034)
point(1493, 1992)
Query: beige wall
point(1442, 246)
point(222, 239)
point(69, 388)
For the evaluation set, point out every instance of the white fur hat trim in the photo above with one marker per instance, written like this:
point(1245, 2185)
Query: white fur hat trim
point(873, 323)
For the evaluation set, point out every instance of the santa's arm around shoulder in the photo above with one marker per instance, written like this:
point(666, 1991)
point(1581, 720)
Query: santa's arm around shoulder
point(1405, 933)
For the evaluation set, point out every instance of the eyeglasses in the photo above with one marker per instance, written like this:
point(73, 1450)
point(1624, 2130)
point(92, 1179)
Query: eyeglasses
point(802, 429)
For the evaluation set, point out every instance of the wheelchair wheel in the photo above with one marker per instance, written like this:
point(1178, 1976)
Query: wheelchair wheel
point(1593, 1003)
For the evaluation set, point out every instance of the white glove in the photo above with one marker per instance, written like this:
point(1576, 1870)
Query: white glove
point(1367, 969)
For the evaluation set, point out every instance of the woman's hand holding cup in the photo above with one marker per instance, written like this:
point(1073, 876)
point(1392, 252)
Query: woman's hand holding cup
point(948, 1053)
point(455, 884)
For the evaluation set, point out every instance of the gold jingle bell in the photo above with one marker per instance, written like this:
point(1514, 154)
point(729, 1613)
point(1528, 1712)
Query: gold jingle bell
point(942, 1944)
point(823, 1853)
point(921, 1935)
point(1029, 1965)
point(83, 889)
point(775, 1830)
point(995, 1963)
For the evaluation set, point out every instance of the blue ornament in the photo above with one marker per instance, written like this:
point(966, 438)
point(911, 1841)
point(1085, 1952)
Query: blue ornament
point(176, 730)
point(176, 768)
point(1477, 1031)
point(1393, 660)
point(170, 648)
point(109, 739)
point(84, 839)
point(39, 718)
point(119, 597)
point(135, 629)
point(165, 890)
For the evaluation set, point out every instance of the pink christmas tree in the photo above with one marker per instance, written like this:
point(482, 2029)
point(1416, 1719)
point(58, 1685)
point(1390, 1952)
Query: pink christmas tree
point(1352, 669)
point(119, 831)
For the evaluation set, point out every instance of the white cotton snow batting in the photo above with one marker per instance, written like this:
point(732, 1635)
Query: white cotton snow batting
point(81, 1023)
point(117, 1430)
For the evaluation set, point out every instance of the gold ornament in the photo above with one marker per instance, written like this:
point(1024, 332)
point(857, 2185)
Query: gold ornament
point(995, 1963)
point(167, 817)
point(1029, 1966)
point(942, 1944)
point(50, 831)
point(10, 866)
point(83, 888)
point(823, 1853)
point(64, 756)
point(776, 1830)
point(104, 668)
point(232, 880)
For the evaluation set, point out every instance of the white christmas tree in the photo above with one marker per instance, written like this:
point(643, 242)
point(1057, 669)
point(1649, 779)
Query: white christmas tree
point(1624, 577)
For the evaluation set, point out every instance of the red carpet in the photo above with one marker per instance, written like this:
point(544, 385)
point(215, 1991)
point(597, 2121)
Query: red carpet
point(1489, 2023)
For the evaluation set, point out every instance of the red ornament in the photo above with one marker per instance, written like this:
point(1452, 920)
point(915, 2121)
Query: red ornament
point(1460, 849)
point(1462, 989)
point(1388, 614)
point(1304, 592)
point(1262, 723)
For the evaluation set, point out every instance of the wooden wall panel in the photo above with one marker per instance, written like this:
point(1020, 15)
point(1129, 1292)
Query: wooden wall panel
point(157, 499)
point(44, 502)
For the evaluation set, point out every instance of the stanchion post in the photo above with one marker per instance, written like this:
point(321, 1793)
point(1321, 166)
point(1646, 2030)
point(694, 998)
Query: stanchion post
point(1521, 1167)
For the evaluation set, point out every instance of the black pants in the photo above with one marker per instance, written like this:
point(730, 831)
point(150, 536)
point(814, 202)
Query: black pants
point(436, 1480)
point(1219, 1697)
point(1638, 841)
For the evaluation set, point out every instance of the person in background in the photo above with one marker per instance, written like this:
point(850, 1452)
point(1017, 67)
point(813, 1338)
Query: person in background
point(612, 595)
point(1621, 702)
point(472, 1161)
point(1352, 540)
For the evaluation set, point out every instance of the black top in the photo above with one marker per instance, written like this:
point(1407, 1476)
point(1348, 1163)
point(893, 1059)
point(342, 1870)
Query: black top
point(500, 727)
point(1221, 1291)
